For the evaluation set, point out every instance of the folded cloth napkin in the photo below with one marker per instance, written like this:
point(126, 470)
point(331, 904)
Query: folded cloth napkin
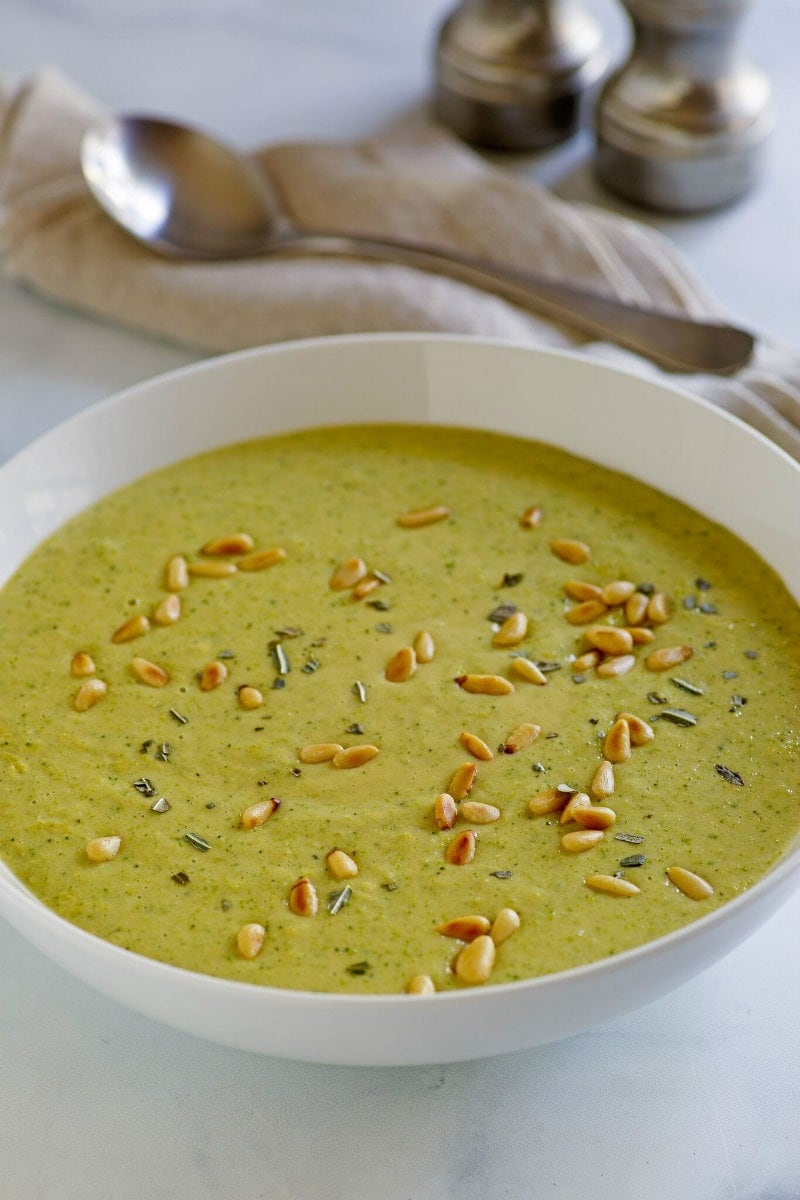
point(414, 183)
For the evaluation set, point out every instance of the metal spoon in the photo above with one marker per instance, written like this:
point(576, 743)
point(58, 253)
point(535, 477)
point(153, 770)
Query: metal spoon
point(185, 195)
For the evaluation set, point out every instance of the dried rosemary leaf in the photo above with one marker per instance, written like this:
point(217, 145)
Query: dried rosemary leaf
point(179, 717)
point(686, 686)
point(384, 576)
point(359, 968)
point(547, 667)
point(656, 698)
point(279, 659)
point(729, 776)
point(360, 691)
point(501, 874)
point(309, 667)
point(633, 860)
point(634, 838)
point(198, 842)
point(678, 716)
point(289, 631)
point(337, 900)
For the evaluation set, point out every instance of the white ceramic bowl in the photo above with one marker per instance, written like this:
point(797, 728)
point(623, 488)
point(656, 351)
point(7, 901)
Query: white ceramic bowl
point(656, 433)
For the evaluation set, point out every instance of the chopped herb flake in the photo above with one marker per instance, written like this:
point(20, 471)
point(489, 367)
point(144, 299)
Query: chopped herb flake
point(359, 968)
point(289, 631)
point(179, 717)
point(730, 674)
point(379, 605)
point(360, 691)
point(501, 874)
point(163, 752)
point(145, 746)
point(383, 627)
point(355, 728)
point(646, 589)
point(198, 842)
point(337, 900)
point(384, 576)
point(181, 877)
point(634, 838)
point(309, 667)
point(702, 585)
point(512, 580)
point(678, 716)
point(539, 768)
point(279, 659)
point(751, 654)
point(144, 786)
point(501, 613)
point(689, 602)
point(729, 776)
point(226, 654)
point(685, 686)
point(161, 805)
point(279, 682)
point(633, 860)
point(656, 698)
point(391, 886)
point(708, 609)
point(579, 679)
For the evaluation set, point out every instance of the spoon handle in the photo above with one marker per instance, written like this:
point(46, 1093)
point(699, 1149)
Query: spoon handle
point(674, 342)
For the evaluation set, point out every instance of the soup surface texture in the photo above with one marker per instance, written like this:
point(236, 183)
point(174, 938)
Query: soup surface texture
point(170, 769)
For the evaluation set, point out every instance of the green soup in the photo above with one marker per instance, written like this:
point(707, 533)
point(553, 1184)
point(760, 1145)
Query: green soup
point(714, 791)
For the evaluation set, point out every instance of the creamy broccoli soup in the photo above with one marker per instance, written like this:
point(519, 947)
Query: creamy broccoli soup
point(382, 708)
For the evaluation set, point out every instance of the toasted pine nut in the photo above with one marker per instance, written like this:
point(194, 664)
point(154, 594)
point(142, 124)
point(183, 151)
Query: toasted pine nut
point(82, 664)
point(521, 736)
point(617, 665)
point(668, 656)
point(476, 747)
point(658, 609)
point(512, 631)
point(587, 661)
point(571, 551)
point(528, 670)
point(348, 574)
point(693, 886)
point(465, 929)
point(303, 898)
point(584, 613)
point(445, 811)
point(424, 647)
point(354, 756)
point(177, 574)
point(420, 985)
point(475, 962)
point(341, 865)
point(609, 639)
point(595, 817)
point(260, 559)
point(532, 517)
point(602, 785)
point(461, 850)
point(319, 752)
point(641, 733)
point(212, 569)
point(505, 923)
point(487, 685)
point(402, 665)
point(212, 675)
point(234, 543)
point(581, 840)
point(168, 609)
point(641, 634)
point(578, 589)
point(102, 849)
point(612, 884)
point(618, 592)
point(257, 814)
point(417, 517)
point(577, 800)
point(617, 745)
point(478, 813)
point(368, 585)
point(88, 694)
point(550, 801)
point(249, 697)
point(250, 939)
point(149, 672)
point(636, 608)
point(461, 783)
point(131, 629)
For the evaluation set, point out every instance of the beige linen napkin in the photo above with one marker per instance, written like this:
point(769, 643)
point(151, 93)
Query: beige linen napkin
point(415, 183)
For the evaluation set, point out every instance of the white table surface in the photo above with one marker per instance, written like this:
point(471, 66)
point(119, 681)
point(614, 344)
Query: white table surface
point(697, 1095)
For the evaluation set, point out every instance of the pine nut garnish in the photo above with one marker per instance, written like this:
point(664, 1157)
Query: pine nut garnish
point(212, 569)
point(366, 587)
point(82, 664)
point(420, 985)
point(585, 612)
point(478, 813)
point(424, 647)
point(576, 801)
point(602, 785)
point(257, 814)
point(595, 817)
point(249, 697)
point(260, 559)
point(354, 756)
point(212, 675)
point(587, 661)
point(235, 543)
point(581, 840)
point(461, 783)
point(512, 631)
point(640, 732)
point(402, 665)
point(250, 939)
point(570, 551)
point(578, 589)
point(487, 685)
point(532, 517)
point(528, 670)
point(658, 609)
point(475, 962)
point(418, 517)
point(617, 592)
point(668, 656)
point(547, 802)
point(608, 639)
point(476, 747)
point(134, 628)
point(319, 752)
point(149, 673)
point(168, 610)
point(641, 634)
point(303, 898)
point(341, 865)
point(521, 736)
point(505, 923)
point(348, 574)
point(693, 886)
point(103, 849)
point(465, 929)
point(617, 744)
point(616, 666)
point(612, 884)
point(445, 811)
point(636, 608)
point(88, 694)
point(177, 574)
point(461, 850)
